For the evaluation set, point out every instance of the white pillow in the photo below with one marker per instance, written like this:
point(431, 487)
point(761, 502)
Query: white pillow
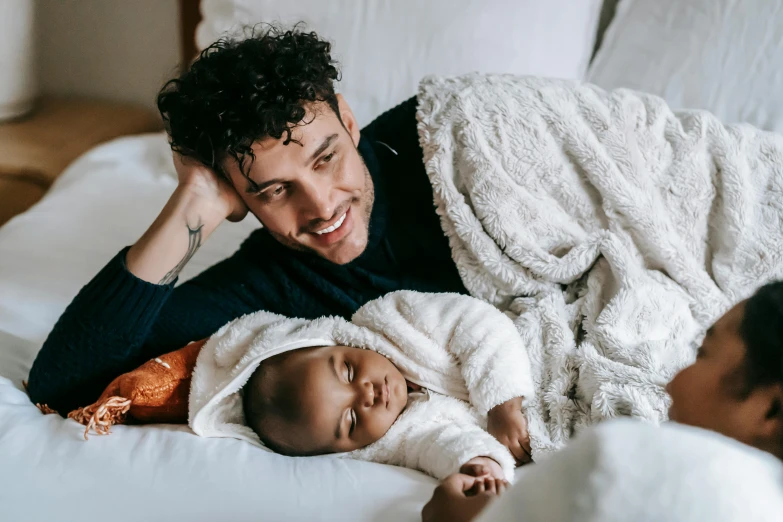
point(625, 470)
point(386, 47)
point(723, 56)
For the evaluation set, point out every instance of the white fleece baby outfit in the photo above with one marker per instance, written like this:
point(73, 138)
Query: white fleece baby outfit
point(466, 354)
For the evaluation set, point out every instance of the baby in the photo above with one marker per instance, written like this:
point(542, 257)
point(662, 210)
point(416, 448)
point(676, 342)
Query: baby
point(434, 382)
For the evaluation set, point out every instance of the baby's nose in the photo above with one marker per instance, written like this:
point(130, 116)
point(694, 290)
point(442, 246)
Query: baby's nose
point(370, 394)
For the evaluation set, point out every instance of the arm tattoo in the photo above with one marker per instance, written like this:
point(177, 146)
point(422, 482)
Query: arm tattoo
point(194, 242)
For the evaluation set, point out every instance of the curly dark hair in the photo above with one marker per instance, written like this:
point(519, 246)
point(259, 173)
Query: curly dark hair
point(240, 91)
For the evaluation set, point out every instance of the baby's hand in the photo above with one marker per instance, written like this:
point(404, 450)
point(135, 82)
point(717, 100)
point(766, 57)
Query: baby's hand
point(460, 498)
point(483, 467)
point(508, 424)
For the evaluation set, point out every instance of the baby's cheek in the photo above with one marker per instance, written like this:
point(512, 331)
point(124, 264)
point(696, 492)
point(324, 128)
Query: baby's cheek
point(380, 426)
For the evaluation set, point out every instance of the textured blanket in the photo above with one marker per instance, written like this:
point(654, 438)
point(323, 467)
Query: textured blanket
point(612, 229)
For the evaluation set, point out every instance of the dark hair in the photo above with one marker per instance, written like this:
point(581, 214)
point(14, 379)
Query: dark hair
point(270, 404)
point(240, 91)
point(762, 332)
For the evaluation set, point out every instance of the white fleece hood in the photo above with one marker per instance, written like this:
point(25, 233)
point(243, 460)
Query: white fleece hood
point(230, 357)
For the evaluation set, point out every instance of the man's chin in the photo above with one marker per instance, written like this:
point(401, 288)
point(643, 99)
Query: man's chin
point(339, 254)
point(344, 254)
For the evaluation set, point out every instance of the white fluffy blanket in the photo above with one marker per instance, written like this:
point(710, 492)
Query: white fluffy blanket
point(613, 229)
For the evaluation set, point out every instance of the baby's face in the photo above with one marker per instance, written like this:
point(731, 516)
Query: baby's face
point(350, 397)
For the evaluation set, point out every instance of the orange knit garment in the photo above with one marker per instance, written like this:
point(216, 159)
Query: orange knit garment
point(155, 392)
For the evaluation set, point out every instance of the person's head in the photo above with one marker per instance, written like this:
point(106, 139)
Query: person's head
point(315, 401)
point(263, 114)
point(735, 387)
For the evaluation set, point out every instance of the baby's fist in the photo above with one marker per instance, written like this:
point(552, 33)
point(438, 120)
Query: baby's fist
point(483, 467)
point(508, 424)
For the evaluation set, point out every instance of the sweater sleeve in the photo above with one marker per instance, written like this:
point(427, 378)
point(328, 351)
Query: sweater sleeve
point(105, 325)
point(438, 436)
point(491, 356)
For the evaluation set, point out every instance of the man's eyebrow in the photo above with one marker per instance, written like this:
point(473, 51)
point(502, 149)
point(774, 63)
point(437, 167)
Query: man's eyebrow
point(338, 431)
point(325, 145)
point(253, 187)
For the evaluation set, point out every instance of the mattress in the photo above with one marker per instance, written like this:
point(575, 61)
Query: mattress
point(49, 472)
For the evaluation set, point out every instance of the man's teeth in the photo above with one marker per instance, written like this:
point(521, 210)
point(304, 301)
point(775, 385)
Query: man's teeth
point(334, 227)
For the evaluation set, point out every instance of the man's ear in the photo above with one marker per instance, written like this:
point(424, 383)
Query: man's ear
point(349, 120)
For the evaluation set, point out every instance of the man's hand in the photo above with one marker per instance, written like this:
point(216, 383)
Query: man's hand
point(201, 181)
point(199, 204)
point(508, 424)
point(460, 498)
point(483, 467)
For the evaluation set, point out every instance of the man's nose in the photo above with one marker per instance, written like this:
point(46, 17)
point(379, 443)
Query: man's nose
point(317, 200)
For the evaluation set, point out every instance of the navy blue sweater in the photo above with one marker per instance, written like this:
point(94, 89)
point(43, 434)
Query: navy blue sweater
point(117, 321)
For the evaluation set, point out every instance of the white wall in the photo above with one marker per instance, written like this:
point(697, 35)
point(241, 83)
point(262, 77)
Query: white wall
point(111, 49)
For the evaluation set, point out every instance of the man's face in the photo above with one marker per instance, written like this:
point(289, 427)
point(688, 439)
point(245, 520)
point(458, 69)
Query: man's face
point(709, 393)
point(315, 195)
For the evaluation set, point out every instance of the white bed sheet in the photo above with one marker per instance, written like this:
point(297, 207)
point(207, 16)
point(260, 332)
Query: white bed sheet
point(165, 473)
point(49, 472)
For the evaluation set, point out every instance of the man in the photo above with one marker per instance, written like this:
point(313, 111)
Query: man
point(735, 388)
point(256, 126)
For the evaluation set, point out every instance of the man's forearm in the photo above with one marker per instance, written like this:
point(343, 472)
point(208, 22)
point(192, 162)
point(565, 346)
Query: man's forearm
point(180, 229)
point(106, 326)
